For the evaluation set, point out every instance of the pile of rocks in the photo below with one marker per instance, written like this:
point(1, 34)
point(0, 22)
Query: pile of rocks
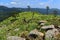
point(51, 33)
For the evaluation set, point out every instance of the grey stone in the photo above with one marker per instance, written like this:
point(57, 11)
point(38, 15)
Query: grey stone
point(42, 22)
point(36, 35)
point(35, 31)
point(46, 27)
point(50, 34)
point(15, 38)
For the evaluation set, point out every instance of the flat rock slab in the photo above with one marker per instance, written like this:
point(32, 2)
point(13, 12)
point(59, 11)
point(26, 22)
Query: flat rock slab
point(46, 27)
point(15, 38)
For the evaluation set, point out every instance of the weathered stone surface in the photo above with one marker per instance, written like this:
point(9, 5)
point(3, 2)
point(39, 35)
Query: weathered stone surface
point(15, 38)
point(42, 22)
point(17, 29)
point(36, 34)
point(46, 27)
point(59, 26)
point(35, 31)
point(24, 34)
point(50, 34)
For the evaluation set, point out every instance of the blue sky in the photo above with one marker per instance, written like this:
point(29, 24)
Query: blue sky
point(32, 3)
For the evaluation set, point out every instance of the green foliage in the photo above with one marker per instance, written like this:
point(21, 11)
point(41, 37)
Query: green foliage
point(18, 26)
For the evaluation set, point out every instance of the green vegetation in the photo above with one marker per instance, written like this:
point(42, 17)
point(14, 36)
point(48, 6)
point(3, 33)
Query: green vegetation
point(15, 25)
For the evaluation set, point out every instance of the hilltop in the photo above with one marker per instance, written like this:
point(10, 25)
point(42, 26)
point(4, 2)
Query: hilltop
point(14, 25)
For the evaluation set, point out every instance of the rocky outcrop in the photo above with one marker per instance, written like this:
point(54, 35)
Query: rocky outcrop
point(51, 32)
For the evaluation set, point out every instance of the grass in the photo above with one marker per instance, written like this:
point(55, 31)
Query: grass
point(8, 26)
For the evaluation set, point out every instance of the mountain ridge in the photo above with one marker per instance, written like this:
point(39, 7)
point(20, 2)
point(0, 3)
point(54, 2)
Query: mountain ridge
point(6, 12)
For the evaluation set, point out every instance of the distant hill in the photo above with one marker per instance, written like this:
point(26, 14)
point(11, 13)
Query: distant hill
point(41, 10)
point(6, 12)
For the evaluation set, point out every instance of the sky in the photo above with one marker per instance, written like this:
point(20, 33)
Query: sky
point(31, 3)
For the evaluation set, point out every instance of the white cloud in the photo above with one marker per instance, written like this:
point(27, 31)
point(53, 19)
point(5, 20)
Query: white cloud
point(41, 3)
point(14, 3)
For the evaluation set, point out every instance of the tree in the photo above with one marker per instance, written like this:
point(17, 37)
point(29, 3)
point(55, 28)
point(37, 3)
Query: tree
point(28, 8)
point(47, 8)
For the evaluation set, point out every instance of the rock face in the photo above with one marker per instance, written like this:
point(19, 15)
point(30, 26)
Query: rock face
point(35, 34)
point(51, 34)
point(15, 38)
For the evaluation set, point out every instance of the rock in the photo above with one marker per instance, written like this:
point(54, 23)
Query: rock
point(47, 27)
point(35, 31)
point(17, 29)
point(57, 37)
point(42, 22)
point(36, 34)
point(59, 26)
point(50, 34)
point(24, 34)
point(15, 38)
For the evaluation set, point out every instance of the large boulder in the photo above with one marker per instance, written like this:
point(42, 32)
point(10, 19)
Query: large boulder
point(15, 38)
point(35, 34)
point(51, 34)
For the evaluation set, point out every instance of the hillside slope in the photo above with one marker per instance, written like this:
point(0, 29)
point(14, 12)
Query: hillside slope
point(22, 22)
